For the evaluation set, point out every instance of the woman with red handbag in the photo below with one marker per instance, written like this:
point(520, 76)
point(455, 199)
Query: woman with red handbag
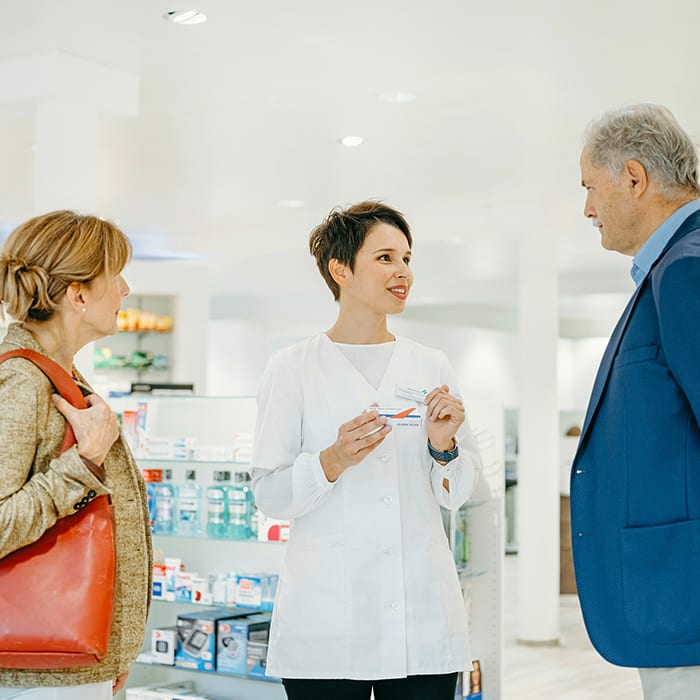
point(60, 280)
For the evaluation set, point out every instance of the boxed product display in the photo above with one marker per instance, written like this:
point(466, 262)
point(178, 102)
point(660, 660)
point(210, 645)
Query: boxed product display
point(161, 691)
point(197, 632)
point(159, 585)
point(256, 590)
point(239, 645)
point(175, 691)
point(163, 645)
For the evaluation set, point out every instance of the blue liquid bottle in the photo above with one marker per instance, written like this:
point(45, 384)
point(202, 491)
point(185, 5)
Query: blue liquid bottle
point(164, 502)
point(218, 505)
point(151, 477)
point(240, 507)
point(189, 507)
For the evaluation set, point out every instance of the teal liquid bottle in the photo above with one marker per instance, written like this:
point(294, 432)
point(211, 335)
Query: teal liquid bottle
point(240, 507)
point(218, 505)
point(164, 505)
point(189, 507)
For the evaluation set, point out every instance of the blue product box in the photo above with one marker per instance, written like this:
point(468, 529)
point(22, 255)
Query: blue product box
point(240, 645)
point(196, 637)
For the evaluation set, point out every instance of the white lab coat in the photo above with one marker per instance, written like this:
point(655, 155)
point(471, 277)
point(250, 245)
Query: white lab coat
point(368, 588)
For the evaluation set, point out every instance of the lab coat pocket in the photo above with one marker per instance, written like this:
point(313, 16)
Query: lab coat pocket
point(312, 601)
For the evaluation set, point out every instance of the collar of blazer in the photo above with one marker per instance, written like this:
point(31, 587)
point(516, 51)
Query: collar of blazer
point(692, 223)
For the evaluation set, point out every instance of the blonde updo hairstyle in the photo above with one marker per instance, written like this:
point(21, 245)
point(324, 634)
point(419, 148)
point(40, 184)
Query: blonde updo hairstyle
point(45, 255)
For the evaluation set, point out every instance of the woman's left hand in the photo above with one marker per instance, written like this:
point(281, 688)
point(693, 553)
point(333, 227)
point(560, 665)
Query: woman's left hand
point(119, 682)
point(444, 414)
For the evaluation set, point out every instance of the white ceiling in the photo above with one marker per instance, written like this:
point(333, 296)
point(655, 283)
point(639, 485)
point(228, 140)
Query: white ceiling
point(246, 110)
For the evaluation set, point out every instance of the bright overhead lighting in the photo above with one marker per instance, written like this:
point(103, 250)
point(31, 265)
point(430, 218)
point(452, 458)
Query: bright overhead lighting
point(291, 203)
point(351, 141)
point(185, 17)
point(398, 96)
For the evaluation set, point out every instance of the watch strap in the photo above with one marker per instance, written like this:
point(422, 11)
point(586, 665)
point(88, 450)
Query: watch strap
point(443, 455)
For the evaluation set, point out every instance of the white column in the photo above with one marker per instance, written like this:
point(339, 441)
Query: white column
point(70, 95)
point(65, 156)
point(66, 171)
point(538, 472)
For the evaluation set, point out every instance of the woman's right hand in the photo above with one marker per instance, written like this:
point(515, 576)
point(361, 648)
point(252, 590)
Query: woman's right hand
point(356, 439)
point(96, 427)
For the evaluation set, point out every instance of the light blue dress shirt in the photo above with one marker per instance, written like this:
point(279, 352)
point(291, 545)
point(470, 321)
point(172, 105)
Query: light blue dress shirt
point(652, 249)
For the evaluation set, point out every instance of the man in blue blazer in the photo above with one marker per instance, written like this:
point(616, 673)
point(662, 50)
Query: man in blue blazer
point(635, 480)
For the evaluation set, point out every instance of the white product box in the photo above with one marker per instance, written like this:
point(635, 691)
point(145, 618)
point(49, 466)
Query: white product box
point(163, 645)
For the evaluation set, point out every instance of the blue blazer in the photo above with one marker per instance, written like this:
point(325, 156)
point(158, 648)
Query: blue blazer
point(635, 479)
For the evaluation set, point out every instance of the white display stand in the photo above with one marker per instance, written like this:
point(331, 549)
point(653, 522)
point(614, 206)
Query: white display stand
point(214, 421)
point(483, 590)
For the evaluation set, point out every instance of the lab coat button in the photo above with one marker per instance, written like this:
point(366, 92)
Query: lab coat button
point(389, 550)
point(394, 606)
point(384, 457)
point(388, 500)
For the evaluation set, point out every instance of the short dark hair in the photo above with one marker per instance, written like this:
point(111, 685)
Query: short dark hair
point(341, 234)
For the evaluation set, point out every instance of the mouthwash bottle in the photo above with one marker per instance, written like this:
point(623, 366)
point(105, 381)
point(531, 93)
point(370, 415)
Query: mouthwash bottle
point(164, 499)
point(218, 505)
point(240, 501)
point(151, 477)
point(189, 507)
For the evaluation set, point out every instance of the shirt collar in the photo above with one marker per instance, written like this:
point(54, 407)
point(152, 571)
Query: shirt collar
point(651, 250)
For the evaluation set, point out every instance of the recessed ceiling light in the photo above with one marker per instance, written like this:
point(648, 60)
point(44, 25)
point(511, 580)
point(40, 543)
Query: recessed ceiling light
point(351, 141)
point(398, 96)
point(291, 203)
point(185, 17)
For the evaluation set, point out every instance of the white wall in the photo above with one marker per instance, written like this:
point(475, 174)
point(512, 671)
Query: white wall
point(578, 362)
point(484, 361)
point(189, 282)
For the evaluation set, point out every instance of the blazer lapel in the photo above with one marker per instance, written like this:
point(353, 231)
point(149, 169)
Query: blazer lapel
point(606, 364)
point(690, 224)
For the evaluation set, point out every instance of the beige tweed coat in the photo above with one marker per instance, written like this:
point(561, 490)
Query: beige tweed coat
point(37, 488)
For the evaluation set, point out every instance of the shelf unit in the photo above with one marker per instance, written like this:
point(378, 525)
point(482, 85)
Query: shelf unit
point(211, 420)
point(125, 342)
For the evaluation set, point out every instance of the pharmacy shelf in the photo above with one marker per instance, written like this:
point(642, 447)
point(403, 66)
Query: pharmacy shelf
point(209, 674)
point(213, 421)
point(212, 683)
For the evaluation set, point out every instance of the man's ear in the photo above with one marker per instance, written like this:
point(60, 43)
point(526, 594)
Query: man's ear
point(340, 272)
point(637, 177)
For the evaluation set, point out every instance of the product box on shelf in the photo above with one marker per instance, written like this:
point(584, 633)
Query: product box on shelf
point(272, 530)
point(160, 691)
point(256, 590)
point(242, 646)
point(173, 691)
point(158, 587)
point(197, 634)
point(163, 645)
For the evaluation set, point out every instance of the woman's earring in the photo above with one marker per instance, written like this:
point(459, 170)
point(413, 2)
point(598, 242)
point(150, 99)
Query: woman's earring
point(84, 309)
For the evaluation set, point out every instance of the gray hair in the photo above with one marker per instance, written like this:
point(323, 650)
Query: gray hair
point(650, 134)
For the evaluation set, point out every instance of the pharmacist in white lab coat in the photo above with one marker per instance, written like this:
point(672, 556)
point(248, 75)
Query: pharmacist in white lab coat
point(369, 598)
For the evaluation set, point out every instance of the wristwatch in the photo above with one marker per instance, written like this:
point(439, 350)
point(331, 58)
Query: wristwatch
point(443, 455)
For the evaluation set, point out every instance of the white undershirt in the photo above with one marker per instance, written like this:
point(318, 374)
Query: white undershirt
point(370, 361)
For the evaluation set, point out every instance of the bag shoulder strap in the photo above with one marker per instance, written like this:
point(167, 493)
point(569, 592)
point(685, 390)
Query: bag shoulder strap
point(61, 380)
